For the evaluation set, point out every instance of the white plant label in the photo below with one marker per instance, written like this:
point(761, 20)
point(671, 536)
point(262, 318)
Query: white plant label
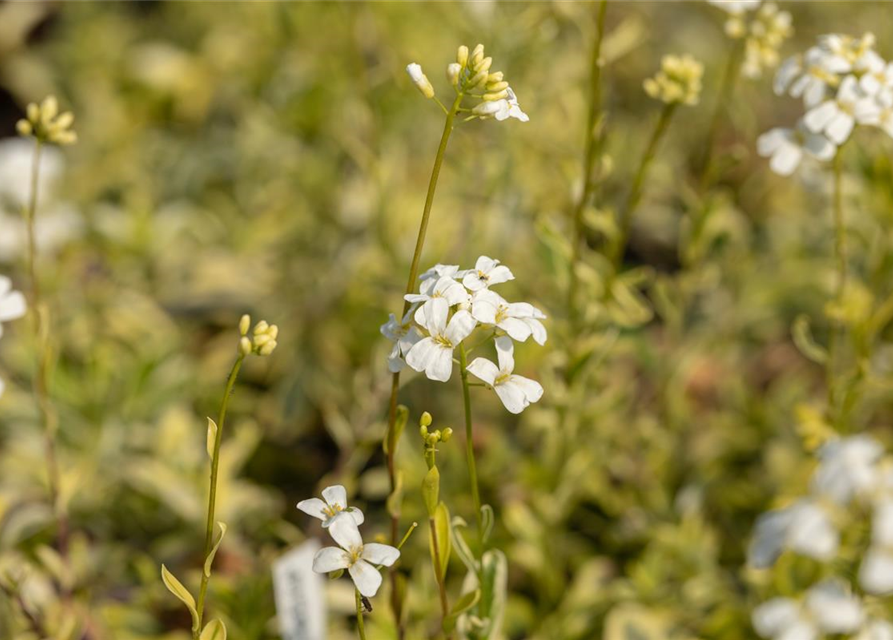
point(300, 594)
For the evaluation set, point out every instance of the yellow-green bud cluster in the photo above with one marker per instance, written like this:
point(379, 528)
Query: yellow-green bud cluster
point(472, 71)
point(767, 31)
point(677, 82)
point(432, 438)
point(262, 342)
point(46, 124)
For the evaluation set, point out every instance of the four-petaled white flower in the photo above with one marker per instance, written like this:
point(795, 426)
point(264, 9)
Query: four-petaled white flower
point(358, 558)
point(786, 148)
point(519, 320)
point(434, 353)
point(486, 272)
point(444, 287)
point(828, 608)
point(332, 507)
point(516, 392)
point(804, 527)
point(836, 117)
point(403, 335)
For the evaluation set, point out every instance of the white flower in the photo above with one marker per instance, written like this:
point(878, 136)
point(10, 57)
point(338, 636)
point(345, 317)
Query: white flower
point(12, 303)
point(420, 80)
point(439, 270)
point(736, 7)
point(333, 506)
point(403, 335)
point(516, 392)
point(828, 608)
point(356, 557)
point(847, 468)
point(434, 354)
point(444, 287)
point(518, 319)
point(875, 630)
point(486, 272)
point(804, 528)
point(502, 109)
point(787, 146)
point(809, 76)
point(836, 117)
point(877, 111)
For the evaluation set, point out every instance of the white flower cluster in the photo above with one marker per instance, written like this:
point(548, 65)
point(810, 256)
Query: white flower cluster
point(764, 28)
point(450, 305)
point(343, 524)
point(851, 471)
point(12, 307)
point(843, 83)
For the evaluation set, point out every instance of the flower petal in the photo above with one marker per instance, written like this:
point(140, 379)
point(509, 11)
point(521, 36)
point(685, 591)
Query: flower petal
point(330, 559)
point(461, 325)
point(531, 388)
point(440, 366)
point(516, 328)
point(512, 396)
point(335, 496)
point(12, 306)
point(366, 578)
point(774, 616)
point(345, 532)
point(500, 274)
point(484, 370)
point(505, 353)
point(383, 554)
point(313, 507)
point(422, 353)
point(436, 311)
point(876, 572)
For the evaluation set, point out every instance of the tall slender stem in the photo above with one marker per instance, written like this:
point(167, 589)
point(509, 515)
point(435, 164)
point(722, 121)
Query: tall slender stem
point(448, 125)
point(729, 80)
point(635, 193)
point(840, 256)
point(591, 150)
point(40, 326)
point(361, 627)
point(212, 492)
point(469, 448)
point(441, 587)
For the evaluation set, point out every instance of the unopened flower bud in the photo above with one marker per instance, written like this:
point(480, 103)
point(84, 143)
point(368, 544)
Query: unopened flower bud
point(268, 348)
point(261, 327)
point(426, 419)
point(420, 79)
point(496, 76)
point(484, 65)
point(423, 431)
point(447, 434)
point(244, 324)
point(477, 79)
point(245, 346)
point(486, 109)
point(477, 55)
point(499, 95)
point(497, 86)
point(452, 73)
point(462, 56)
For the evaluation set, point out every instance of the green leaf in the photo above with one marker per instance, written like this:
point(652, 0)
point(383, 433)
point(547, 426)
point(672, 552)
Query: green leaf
point(212, 437)
point(441, 524)
point(488, 519)
point(465, 603)
point(182, 593)
point(210, 559)
point(802, 335)
point(462, 548)
point(214, 630)
point(393, 437)
point(431, 490)
point(490, 609)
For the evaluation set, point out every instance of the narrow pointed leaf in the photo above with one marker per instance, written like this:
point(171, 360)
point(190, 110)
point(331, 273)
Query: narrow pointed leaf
point(182, 593)
point(214, 630)
point(212, 437)
point(210, 559)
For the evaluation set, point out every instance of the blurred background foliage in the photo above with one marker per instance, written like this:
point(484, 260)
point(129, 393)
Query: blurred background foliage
point(271, 158)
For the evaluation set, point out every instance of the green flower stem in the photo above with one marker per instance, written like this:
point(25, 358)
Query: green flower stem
point(469, 448)
point(441, 587)
point(635, 193)
point(40, 325)
point(361, 628)
point(729, 80)
point(212, 492)
point(591, 152)
point(840, 256)
point(410, 287)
